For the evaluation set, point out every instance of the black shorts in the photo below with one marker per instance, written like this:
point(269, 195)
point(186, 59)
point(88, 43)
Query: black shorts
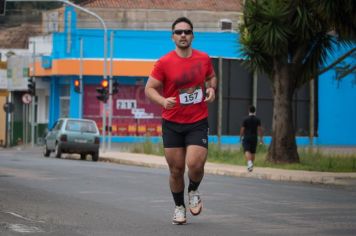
point(249, 144)
point(182, 135)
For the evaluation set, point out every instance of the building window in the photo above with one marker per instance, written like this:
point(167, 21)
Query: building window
point(225, 25)
point(46, 108)
point(64, 101)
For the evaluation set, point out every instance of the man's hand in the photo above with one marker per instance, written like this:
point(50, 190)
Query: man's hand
point(210, 95)
point(169, 103)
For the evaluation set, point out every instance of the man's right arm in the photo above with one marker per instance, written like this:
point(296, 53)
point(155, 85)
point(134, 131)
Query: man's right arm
point(152, 92)
point(242, 131)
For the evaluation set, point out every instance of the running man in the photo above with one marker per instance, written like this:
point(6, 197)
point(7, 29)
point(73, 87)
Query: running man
point(248, 134)
point(183, 82)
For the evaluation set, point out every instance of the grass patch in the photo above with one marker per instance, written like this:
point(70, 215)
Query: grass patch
point(310, 160)
point(148, 148)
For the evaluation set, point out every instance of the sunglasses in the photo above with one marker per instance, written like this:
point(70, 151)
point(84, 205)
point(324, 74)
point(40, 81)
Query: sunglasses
point(180, 32)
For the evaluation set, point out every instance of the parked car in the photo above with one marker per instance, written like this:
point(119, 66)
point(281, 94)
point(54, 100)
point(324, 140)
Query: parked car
point(70, 135)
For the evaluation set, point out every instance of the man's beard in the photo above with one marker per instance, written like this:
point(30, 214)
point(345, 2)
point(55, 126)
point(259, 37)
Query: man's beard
point(185, 46)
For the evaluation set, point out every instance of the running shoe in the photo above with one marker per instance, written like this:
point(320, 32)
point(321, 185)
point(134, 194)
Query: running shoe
point(195, 204)
point(250, 167)
point(179, 217)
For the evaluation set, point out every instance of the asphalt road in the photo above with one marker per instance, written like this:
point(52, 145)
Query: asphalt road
point(49, 196)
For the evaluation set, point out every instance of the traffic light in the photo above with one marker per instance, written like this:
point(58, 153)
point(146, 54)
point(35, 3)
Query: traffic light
point(103, 91)
point(115, 89)
point(31, 87)
point(77, 86)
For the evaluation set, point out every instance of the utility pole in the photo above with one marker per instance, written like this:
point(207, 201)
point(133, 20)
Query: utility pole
point(220, 101)
point(81, 90)
point(110, 89)
point(33, 104)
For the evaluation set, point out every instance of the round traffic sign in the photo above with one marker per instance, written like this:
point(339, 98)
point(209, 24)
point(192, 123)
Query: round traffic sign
point(26, 98)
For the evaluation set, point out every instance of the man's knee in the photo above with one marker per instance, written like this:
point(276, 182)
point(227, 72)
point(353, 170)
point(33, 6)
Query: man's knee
point(197, 166)
point(177, 172)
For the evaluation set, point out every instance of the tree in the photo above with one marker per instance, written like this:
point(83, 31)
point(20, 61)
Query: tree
point(289, 40)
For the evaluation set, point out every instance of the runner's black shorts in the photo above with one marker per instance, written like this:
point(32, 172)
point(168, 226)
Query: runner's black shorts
point(249, 144)
point(182, 135)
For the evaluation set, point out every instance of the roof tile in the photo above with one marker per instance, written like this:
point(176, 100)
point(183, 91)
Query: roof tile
point(207, 5)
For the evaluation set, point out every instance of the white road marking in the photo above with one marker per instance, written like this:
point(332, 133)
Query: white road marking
point(24, 228)
point(22, 217)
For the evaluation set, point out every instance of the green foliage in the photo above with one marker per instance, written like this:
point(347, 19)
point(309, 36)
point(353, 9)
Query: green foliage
point(148, 148)
point(295, 33)
point(340, 14)
point(310, 160)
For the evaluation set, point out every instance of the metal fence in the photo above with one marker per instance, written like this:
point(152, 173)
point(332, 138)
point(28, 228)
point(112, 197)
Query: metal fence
point(237, 96)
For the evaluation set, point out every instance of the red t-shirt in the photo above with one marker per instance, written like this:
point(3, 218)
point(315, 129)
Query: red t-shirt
point(184, 78)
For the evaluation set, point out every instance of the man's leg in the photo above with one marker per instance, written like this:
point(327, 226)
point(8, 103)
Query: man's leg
point(253, 157)
point(175, 158)
point(248, 156)
point(196, 158)
point(249, 159)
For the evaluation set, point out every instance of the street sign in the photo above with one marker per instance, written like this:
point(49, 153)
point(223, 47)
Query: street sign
point(8, 107)
point(26, 98)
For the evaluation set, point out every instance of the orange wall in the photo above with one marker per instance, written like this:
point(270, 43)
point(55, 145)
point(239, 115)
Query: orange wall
point(95, 67)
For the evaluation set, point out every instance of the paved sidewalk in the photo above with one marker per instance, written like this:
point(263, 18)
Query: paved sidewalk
point(348, 179)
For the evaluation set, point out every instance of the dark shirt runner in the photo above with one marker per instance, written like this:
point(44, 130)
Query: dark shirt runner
point(250, 129)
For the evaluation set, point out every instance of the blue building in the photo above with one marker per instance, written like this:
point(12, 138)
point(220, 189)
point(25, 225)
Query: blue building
point(131, 54)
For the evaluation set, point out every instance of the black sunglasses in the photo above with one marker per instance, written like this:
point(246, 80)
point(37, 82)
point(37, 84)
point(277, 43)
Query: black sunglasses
point(180, 32)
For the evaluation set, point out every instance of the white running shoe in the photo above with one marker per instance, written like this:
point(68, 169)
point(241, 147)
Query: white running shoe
point(195, 203)
point(250, 166)
point(179, 217)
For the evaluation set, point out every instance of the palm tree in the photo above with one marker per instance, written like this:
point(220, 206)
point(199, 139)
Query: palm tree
point(289, 40)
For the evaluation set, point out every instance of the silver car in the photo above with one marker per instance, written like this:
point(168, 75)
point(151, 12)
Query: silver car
point(70, 135)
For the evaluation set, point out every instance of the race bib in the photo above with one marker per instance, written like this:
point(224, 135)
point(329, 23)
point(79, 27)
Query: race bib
point(190, 95)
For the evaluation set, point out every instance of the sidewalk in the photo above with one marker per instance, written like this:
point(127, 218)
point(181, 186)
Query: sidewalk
point(346, 179)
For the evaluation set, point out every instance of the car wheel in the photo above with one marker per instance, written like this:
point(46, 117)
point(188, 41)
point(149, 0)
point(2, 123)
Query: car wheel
point(95, 156)
point(58, 151)
point(83, 156)
point(46, 152)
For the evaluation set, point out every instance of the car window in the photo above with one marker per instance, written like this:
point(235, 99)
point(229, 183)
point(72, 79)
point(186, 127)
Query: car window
point(58, 125)
point(54, 125)
point(81, 126)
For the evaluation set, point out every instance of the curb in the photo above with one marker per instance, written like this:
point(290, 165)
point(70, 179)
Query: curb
point(133, 163)
point(293, 176)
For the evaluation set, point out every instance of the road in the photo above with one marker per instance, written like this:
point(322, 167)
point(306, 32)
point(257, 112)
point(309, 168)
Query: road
point(49, 196)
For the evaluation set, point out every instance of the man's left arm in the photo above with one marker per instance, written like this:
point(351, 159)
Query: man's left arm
point(260, 133)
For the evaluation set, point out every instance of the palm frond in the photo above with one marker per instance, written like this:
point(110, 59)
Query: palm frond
point(340, 15)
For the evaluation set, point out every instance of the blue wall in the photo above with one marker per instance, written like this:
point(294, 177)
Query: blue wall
point(134, 44)
point(337, 104)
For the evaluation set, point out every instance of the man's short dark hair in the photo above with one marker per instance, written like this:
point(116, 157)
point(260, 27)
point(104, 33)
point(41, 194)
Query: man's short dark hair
point(182, 19)
point(252, 109)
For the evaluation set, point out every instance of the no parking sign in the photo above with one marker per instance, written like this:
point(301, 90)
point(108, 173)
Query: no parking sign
point(26, 98)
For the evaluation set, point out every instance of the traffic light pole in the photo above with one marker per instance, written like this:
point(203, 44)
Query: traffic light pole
point(81, 80)
point(110, 89)
point(33, 105)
